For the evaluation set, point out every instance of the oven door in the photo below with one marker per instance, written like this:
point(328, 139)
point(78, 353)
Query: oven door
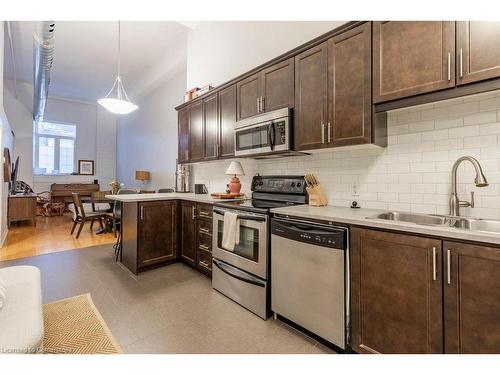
point(250, 254)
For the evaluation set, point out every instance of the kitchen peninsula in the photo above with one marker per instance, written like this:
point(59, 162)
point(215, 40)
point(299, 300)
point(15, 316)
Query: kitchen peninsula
point(164, 228)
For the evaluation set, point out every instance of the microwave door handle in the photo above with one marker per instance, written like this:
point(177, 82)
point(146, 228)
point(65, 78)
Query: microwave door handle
point(247, 279)
point(271, 136)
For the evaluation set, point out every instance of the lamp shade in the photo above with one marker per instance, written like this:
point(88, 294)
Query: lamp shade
point(142, 175)
point(235, 168)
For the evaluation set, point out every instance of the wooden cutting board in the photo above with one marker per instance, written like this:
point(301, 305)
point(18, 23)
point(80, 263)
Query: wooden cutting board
point(226, 195)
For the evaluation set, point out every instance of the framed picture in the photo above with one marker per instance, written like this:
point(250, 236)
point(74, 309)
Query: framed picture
point(6, 164)
point(86, 167)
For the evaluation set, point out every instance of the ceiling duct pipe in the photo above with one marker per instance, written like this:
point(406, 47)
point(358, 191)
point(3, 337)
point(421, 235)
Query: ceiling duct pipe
point(43, 39)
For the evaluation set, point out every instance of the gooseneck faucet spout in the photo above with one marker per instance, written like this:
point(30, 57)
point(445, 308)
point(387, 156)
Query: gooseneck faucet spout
point(479, 181)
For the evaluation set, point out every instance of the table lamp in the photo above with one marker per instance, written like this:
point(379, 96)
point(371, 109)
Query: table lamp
point(142, 176)
point(236, 170)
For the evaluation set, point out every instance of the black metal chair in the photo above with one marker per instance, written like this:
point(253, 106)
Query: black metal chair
point(166, 190)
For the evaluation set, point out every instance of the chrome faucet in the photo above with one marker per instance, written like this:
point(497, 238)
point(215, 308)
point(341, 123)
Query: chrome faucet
point(480, 181)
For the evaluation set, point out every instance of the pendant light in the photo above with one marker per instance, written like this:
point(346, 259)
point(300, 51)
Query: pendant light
point(118, 103)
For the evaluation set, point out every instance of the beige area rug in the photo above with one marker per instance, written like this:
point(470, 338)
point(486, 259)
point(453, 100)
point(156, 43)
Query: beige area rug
point(75, 326)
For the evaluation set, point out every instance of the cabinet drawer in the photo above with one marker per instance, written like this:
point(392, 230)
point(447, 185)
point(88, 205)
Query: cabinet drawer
point(204, 227)
point(205, 242)
point(205, 260)
point(204, 211)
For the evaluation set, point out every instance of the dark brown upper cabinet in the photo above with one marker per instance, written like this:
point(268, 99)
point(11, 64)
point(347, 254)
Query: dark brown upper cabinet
point(157, 233)
point(412, 58)
point(196, 129)
point(277, 90)
point(271, 88)
point(349, 87)
point(248, 96)
point(311, 98)
point(478, 51)
point(183, 137)
point(471, 299)
point(211, 127)
point(396, 293)
point(227, 117)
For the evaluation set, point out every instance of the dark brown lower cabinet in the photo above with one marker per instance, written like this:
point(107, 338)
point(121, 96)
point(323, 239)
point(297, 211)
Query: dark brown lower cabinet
point(157, 232)
point(188, 232)
point(396, 293)
point(472, 298)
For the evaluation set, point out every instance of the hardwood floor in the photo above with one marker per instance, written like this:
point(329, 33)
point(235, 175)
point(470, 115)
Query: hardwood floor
point(51, 234)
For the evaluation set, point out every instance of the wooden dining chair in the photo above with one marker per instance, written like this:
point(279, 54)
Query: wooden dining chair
point(82, 217)
point(117, 219)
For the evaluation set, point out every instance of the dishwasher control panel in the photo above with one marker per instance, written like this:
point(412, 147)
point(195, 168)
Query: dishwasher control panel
point(334, 237)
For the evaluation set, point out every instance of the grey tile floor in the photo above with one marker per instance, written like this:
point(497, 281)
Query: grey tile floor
point(172, 309)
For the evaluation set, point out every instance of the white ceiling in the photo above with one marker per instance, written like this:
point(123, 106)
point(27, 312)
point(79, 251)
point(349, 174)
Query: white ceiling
point(86, 56)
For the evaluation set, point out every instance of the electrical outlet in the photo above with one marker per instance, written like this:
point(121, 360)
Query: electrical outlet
point(354, 190)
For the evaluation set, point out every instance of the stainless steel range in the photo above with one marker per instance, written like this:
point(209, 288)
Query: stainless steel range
point(242, 274)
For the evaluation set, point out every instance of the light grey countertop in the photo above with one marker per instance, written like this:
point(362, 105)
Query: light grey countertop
point(202, 198)
point(358, 216)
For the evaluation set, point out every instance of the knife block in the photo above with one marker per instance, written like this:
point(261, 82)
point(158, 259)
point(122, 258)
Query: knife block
point(317, 196)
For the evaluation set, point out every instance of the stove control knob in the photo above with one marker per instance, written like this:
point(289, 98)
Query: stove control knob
point(298, 184)
point(293, 184)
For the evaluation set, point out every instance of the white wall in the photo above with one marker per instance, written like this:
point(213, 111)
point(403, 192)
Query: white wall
point(96, 136)
point(220, 51)
point(147, 138)
point(413, 172)
point(6, 140)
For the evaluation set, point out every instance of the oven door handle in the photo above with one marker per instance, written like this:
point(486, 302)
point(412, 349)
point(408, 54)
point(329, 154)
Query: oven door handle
point(242, 217)
point(248, 279)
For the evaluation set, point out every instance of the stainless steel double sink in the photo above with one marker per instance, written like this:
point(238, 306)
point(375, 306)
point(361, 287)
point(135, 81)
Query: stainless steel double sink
point(467, 223)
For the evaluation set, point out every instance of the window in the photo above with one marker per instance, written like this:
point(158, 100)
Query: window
point(54, 146)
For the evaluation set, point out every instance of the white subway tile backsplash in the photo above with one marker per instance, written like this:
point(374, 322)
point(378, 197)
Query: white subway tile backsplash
point(413, 173)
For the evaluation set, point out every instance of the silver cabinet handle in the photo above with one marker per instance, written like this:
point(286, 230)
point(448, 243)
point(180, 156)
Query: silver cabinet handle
point(448, 266)
point(193, 212)
point(262, 104)
point(449, 66)
point(204, 264)
point(258, 105)
point(434, 271)
point(461, 62)
point(204, 247)
point(329, 131)
point(186, 154)
point(323, 133)
point(142, 213)
point(205, 230)
point(204, 213)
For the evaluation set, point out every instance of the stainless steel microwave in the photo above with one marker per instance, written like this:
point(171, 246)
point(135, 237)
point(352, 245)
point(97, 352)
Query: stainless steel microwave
point(265, 135)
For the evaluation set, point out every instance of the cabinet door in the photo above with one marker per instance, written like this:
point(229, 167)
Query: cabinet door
point(227, 115)
point(311, 86)
point(196, 139)
point(157, 232)
point(183, 128)
point(411, 58)
point(478, 51)
point(211, 131)
point(248, 92)
point(188, 232)
point(396, 293)
point(278, 86)
point(472, 299)
point(349, 87)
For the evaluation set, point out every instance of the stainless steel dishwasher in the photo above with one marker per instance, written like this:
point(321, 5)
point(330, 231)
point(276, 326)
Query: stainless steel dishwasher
point(309, 277)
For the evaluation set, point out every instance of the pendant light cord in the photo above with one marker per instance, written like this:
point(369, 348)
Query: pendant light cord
point(119, 48)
